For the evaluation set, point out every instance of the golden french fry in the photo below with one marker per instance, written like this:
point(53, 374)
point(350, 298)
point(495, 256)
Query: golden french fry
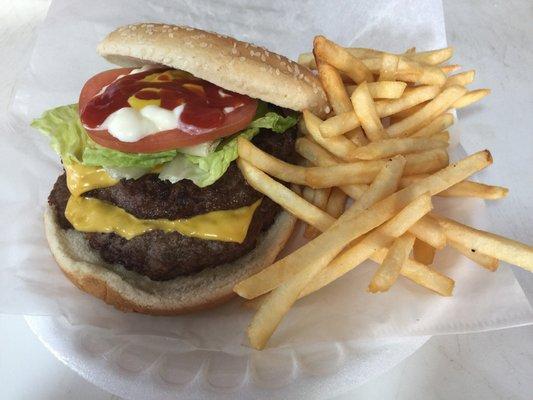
point(490, 244)
point(343, 123)
point(285, 197)
point(343, 174)
point(326, 246)
point(423, 252)
point(365, 171)
point(278, 303)
point(338, 57)
point(443, 136)
point(320, 157)
point(391, 147)
point(481, 259)
point(366, 112)
point(433, 57)
point(390, 268)
point(338, 146)
point(426, 162)
point(383, 236)
point(471, 98)
point(407, 113)
point(336, 203)
point(448, 69)
point(409, 70)
point(357, 136)
point(382, 89)
point(421, 274)
point(424, 116)
point(320, 199)
point(428, 230)
point(464, 189)
point(333, 86)
point(389, 67)
point(442, 122)
point(461, 79)
point(308, 194)
point(273, 166)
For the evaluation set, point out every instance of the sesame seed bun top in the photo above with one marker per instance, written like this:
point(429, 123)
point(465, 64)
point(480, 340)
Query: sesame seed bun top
point(231, 64)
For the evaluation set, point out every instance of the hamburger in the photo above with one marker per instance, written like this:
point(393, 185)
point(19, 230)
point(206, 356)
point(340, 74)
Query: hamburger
point(151, 213)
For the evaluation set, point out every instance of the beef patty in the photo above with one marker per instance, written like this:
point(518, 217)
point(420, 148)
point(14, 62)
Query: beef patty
point(163, 256)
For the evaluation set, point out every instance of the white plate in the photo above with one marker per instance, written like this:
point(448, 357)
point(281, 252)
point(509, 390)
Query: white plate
point(136, 367)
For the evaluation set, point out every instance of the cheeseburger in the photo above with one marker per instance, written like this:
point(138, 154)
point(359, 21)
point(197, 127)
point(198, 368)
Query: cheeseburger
point(152, 214)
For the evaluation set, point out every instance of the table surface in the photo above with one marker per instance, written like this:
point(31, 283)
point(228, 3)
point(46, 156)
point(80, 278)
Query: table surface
point(494, 36)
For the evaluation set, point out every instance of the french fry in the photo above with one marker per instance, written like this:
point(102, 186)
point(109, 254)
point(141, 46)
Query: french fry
point(433, 57)
point(471, 98)
point(343, 174)
point(320, 199)
point(381, 90)
point(442, 122)
point(424, 116)
point(423, 252)
point(336, 203)
point(391, 147)
point(320, 157)
point(406, 113)
point(421, 274)
point(487, 243)
point(338, 146)
point(333, 86)
point(338, 98)
point(285, 197)
point(343, 123)
point(365, 171)
point(390, 268)
point(278, 303)
point(481, 259)
point(355, 254)
point(448, 69)
point(272, 165)
point(409, 70)
point(326, 246)
point(443, 136)
point(338, 57)
point(461, 79)
point(464, 189)
point(389, 67)
point(428, 230)
point(366, 112)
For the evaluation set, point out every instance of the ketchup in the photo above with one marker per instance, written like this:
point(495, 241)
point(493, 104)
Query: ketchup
point(206, 105)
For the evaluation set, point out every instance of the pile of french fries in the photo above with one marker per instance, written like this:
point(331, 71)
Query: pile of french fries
point(384, 145)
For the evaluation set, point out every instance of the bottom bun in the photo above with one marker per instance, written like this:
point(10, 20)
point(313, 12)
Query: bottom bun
point(129, 291)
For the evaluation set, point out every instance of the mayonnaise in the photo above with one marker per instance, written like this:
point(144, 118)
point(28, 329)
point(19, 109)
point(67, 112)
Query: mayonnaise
point(131, 125)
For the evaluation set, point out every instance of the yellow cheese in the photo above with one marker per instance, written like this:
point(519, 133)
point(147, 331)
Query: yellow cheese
point(93, 215)
point(138, 103)
point(81, 178)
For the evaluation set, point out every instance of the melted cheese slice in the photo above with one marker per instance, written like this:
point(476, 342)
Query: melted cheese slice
point(93, 215)
point(81, 178)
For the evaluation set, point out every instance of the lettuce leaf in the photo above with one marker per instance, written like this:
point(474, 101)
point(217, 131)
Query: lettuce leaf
point(70, 140)
point(204, 171)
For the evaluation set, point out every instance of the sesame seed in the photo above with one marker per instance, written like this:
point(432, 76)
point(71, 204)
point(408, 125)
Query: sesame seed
point(277, 71)
point(263, 58)
point(241, 58)
point(170, 35)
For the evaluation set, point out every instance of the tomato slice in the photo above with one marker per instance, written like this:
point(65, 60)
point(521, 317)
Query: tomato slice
point(93, 86)
point(234, 120)
point(176, 138)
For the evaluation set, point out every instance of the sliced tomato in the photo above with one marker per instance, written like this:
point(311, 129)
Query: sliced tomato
point(93, 86)
point(236, 120)
point(176, 138)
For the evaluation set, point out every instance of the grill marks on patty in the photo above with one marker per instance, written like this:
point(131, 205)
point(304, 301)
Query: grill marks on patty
point(163, 256)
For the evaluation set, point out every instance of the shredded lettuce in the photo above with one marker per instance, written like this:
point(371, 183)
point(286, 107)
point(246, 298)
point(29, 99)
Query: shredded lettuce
point(70, 140)
point(205, 171)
